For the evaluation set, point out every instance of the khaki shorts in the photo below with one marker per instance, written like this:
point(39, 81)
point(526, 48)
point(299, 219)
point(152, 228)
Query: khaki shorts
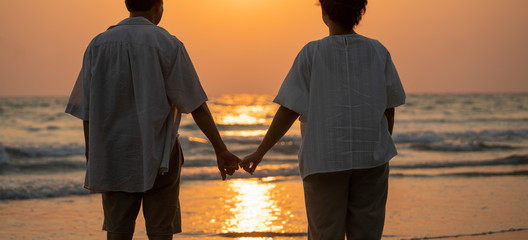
point(350, 203)
point(161, 206)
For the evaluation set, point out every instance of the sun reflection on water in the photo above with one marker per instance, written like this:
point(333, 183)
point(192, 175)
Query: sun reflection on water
point(254, 209)
point(257, 238)
point(243, 109)
point(243, 115)
point(244, 133)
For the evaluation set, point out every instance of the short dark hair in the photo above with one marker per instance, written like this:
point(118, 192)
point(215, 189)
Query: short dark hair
point(140, 5)
point(345, 12)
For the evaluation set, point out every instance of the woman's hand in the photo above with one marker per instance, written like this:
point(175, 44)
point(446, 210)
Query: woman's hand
point(250, 162)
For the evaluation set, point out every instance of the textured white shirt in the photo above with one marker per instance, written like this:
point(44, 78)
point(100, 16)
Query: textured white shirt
point(341, 86)
point(136, 80)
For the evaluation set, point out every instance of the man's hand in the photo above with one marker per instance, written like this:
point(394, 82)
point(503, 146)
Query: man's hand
point(227, 163)
point(86, 127)
point(250, 162)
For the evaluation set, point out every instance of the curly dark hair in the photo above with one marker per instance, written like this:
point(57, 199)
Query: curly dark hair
point(140, 5)
point(345, 12)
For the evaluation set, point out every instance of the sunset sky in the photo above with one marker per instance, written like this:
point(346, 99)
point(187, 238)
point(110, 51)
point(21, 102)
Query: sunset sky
point(248, 46)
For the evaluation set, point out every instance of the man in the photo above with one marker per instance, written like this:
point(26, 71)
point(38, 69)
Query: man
point(136, 80)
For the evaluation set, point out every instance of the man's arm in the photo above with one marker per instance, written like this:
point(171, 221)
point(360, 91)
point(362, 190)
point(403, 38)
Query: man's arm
point(227, 162)
point(283, 120)
point(389, 113)
point(86, 127)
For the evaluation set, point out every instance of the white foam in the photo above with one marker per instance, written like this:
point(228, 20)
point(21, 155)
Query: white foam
point(46, 150)
point(433, 136)
point(427, 136)
point(41, 188)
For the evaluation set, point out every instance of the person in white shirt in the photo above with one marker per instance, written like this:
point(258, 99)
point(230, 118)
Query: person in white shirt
point(136, 81)
point(344, 88)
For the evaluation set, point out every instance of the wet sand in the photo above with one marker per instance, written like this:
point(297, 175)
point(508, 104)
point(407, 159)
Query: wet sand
point(511, 235)
point(273, 208)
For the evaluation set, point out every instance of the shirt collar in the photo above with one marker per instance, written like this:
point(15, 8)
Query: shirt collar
point(135, 21)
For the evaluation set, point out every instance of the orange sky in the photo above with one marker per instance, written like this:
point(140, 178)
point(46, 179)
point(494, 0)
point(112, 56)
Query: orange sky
point(248, 46)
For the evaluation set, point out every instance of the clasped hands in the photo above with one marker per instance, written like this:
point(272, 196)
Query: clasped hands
point(228, 163)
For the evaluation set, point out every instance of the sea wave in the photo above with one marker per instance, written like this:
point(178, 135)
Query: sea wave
point(513, 160)
point(43, 150)
point(461, 146)
point(38, 187)
point(42, 167)
point(411, 137)
point(289, 145)
point(523, 133)
point(433, 120)
point(424, 136)
point(41, 186)
point(283, 153)
point(432, 136)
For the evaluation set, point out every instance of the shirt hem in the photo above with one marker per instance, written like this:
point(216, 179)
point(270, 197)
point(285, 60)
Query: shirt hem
point(343, 169)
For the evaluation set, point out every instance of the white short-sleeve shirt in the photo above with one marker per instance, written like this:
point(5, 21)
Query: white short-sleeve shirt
point(136, 80)
point(341, 86)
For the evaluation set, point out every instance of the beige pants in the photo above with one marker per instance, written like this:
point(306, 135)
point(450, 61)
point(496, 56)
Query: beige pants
point(350, 203)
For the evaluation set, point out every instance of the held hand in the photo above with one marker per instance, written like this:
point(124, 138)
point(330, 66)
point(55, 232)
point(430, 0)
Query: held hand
point(250, 162)
point(227, 163)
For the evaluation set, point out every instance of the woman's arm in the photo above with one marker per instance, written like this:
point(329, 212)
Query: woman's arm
point(281, 123)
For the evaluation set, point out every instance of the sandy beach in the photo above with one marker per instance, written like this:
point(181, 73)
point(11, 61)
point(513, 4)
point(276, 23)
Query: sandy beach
point(272, 208)
point(510, 235)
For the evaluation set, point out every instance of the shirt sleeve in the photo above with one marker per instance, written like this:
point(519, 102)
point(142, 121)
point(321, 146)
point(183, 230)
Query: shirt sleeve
point(395, 92)
point(78, 104)
point(183, 85)
point(294, 91)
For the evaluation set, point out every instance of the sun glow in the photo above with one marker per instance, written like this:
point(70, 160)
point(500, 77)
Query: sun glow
point(197, 139)
point(244, 133)
point(246, 115)
point(243, 110)
point(254, 209)
point(241, 119)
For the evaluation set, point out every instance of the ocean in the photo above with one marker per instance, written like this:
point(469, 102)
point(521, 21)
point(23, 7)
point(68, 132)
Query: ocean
point(462, 138)
point(437, 135)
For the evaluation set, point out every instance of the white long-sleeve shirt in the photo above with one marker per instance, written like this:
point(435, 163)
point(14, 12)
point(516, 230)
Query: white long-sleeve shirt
point(341, 86)
point(136, 80)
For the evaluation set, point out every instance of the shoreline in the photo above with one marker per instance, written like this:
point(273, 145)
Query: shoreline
point(86, 208)
point(511, 234)
point(273, 208)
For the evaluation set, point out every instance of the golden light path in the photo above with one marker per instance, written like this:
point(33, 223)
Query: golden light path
point(243, 109)
point(244, 133)
point(254, 209)
point(246, 115)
